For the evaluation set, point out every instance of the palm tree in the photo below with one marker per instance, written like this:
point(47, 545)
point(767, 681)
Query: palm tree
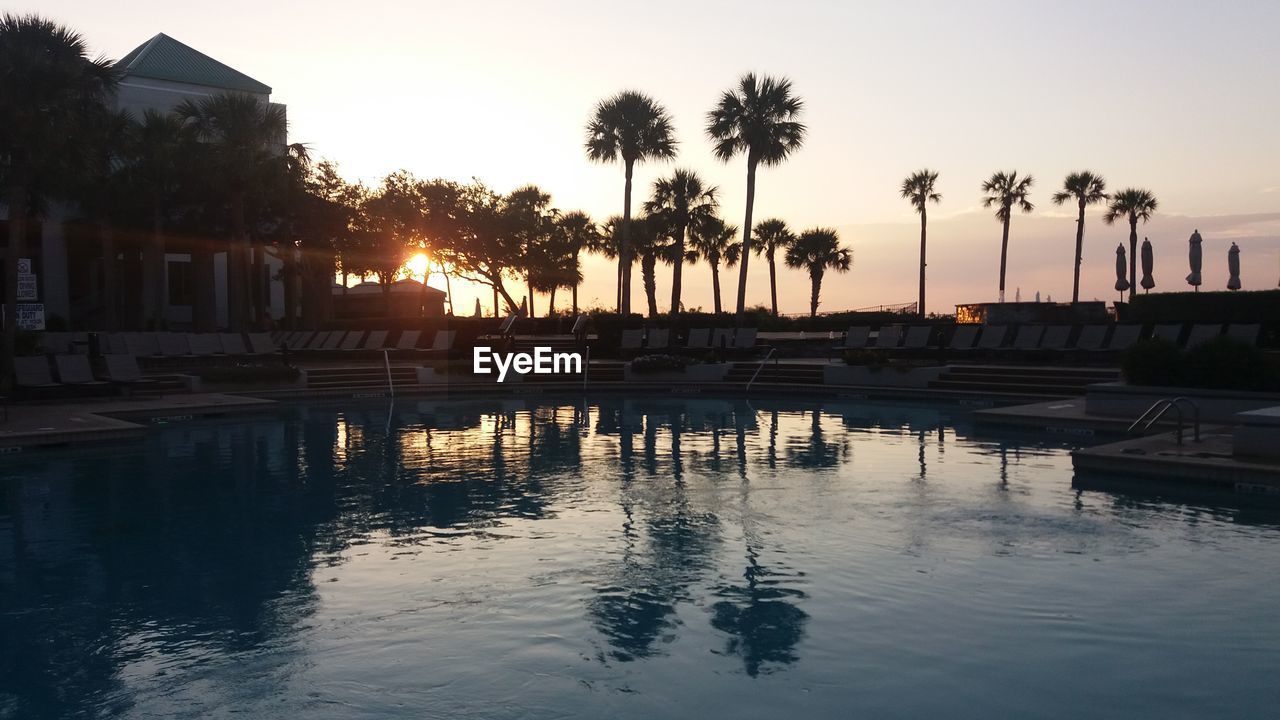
point(816, 250)
point(758, 118)
point(1136, 204)
point(155, 174)
point(919, 190)
point(679, 202)
point(1087, 189)
point(109, 138)
point(582, 235)
point(712, 240)
point(534, 219)
point(48, 85)
point(772, 235)
point(629, 127)
point(245, 140)
point(1005, 191)
point(646, 247)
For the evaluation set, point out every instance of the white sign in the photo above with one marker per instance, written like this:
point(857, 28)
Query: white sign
point(24, 266)
point(542, 362)
point(31, 316)
point(27, 288)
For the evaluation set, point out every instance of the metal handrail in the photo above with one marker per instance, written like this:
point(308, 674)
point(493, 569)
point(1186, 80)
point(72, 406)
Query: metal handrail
point(756, 374)
point(586, 367)
point(1162, 406)
point(391, 386)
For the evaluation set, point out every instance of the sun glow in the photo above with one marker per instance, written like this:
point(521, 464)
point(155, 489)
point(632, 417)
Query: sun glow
point(417, 266)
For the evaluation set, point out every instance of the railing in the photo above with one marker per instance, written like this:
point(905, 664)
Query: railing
point(586, 366)
point(1160, 407)
point(386, 359)
point(756, 374)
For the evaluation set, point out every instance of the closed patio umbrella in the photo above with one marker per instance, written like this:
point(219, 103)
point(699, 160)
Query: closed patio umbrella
point(1233, 267)
point(1148, 262)
point(1196, 257)
point(478, 311)
point(1122, 271)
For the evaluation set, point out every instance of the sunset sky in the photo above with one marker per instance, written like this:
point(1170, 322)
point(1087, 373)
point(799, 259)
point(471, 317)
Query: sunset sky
point(1177, 97)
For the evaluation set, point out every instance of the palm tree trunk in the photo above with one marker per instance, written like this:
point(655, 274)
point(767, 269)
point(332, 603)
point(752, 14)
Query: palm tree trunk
point(648, 266)
point(551, 304)
point(289, 279)
point(532, 312)
point(676, 269)
point(17, 236)
point(815, 276)
point(1133, 255)
point(773, 282)
point(448, 288)
point(575, 285)
point(1075, 283)
point(1004, 254)
point(923, 223)
point(153, 273)
point(624, 248)
point(259, 284)
point(204, 309)
point(109, 299)
point(746, 237)
point(715, 284)
point(237, 260)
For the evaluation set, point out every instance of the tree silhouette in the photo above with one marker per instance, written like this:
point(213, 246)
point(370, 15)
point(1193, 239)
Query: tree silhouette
point(1086, 189)
point(1135, 204)
point(772, 235)
point(818, 250)
point(1004, 191)
point(679, 202)
point(582, 235)
point(919, 190)
point(629, 127)
point(713, 241)
point(758, 118)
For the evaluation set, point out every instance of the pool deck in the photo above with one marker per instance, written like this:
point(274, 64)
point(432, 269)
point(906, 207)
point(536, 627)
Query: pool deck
point(59, 423)
point(1209, 461)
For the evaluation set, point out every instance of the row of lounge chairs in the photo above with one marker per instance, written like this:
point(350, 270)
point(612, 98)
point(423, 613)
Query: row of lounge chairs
point(197, 345)
point(75, 375)
point(659, 339)
point(1086, 338)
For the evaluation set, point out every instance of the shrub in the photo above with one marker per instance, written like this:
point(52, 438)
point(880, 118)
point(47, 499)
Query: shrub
point(661, 363)
point(1152, 362)
point(869, 358)
point(1222, 364)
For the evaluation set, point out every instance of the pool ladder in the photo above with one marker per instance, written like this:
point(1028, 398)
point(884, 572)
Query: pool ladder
point(1160, 407)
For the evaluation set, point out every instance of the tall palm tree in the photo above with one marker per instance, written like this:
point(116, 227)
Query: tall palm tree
point(1005, 191)
point(646, 247)
point(48, 85)
point(155, 174)
point(920, 189)
point(1135, 204)
point(534, 220)
point(677, 203)
point(758, 119)
point(1086, 189)
point(110, 138)
point(713, 241)
point(245, 141)
point(629, 127)
point(770, 236)
point(582, 235)
point(818, 250)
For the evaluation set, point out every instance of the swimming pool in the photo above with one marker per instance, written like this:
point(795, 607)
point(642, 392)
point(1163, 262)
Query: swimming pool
point(631, 558)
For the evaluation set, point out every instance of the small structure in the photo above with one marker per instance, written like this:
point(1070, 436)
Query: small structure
point(402, 299)
point(1013, 313)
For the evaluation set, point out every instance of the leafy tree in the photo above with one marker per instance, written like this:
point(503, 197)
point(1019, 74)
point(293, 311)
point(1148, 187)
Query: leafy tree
point(818, 250)
point(919, 190)
point(1005, 191)
point(772, 235)
point(629, 127)
point(1086, 189)
point(1135, 204)
point(758, 119)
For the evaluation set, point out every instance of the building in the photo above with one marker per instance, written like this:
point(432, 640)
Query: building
point(64, 255)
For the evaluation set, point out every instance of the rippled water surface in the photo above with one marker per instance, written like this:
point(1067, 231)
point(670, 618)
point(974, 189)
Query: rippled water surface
point(632, 558)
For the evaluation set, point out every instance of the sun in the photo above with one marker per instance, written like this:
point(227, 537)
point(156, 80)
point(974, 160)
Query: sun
point(417, 266)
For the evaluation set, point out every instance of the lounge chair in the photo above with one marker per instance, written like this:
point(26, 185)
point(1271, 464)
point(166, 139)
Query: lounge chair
point(659, 339)
point(280, 336)
point(963, 337)
point(889, 337)
point(408, 340)
point(233, 344)
point(722, 338)
point(352, 340)
point(123, 370)
point(443, 341)
point(318, 340)
point(1201, 334)
point(1247, 334)
point(1124, 337)
point(56, 342)
point(699, 339)
point(918, 337)
point(1028, 337)
point(112, 343)
point(1092, 338)
point(632, 339)
point(299, 339)
point(335, 339)
point(31, 372)
point(377, 340)
point(75, 370)
point(855, 338)
point(1056, 337)
point(202, 344)
point(1167, 332)
point(173, 345)
point(143, 344)
point(262, 344)
point(744, 339)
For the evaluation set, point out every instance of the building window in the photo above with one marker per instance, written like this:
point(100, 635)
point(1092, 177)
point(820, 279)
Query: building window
point(181, 283)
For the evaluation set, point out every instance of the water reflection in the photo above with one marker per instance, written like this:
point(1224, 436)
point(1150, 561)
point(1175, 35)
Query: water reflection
point(127, 573)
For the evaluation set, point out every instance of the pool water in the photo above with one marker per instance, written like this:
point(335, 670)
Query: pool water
point(622, 558)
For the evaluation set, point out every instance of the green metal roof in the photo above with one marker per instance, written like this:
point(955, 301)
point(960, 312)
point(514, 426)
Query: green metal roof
point(163, 58)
